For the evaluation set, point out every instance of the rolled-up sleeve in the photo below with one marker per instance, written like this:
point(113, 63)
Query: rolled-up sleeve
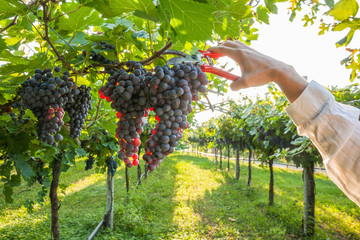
point(334, 128)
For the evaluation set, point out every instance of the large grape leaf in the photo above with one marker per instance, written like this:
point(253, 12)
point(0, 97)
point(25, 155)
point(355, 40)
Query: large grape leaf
point(262, 14)
point(25, 167)
point(113, 8)
point(81, 19)
point(189, 20)
point(344, 9)
point(225, 25)
point(240, 9)
point(270, 4)
point(9, 8)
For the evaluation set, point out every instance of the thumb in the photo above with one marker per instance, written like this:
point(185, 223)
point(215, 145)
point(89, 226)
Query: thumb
point(238, 84)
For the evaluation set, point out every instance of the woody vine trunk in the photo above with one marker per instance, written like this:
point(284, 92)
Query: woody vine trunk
point(55, 231)
point(309, 199)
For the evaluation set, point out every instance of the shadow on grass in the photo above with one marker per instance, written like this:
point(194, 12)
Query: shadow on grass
point(231, 210)
point(236, 211)
point(144, 213)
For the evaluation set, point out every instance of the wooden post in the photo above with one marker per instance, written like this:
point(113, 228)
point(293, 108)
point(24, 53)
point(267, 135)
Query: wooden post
point(220, 157)
point(216, 160)
point(249, 179)
point(271, 185)
point(309, 200)
point(109, 216)
point(228, 152)
point(145, 171)
point(139, 168)
point(237, 166)
point(127, 179)
point(55, 231)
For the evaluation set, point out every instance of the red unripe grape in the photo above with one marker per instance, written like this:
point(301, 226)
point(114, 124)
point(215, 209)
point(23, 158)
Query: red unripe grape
point(136, 142)
point(135, 162)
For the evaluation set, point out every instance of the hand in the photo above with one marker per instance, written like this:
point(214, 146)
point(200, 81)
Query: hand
point(258, 69)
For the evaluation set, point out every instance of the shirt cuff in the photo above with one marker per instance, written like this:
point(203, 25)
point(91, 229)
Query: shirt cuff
point(309, 104)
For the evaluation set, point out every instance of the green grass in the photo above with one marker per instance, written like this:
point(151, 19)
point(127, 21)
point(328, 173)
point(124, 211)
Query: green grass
point(187, 197)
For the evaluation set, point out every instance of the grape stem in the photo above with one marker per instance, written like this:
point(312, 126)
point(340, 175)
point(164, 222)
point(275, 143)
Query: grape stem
point(211, 106)
point(12, 23)
point(30, 122)
point(97, 114)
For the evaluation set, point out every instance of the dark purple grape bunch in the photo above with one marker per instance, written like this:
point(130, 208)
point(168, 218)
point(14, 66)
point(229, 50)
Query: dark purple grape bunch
point(125, 90)
point(46, 95)
point(171, 92)
point(78, 110)
point(168, 92)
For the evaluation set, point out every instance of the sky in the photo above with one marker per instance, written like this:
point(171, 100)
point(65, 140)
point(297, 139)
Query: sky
point(312, 55)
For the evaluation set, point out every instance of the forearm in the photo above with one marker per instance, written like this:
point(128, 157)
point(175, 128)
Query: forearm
point(334, 128)
point(290, 82)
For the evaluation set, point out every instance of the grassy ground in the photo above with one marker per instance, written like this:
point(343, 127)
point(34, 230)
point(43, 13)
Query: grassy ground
point(186, 198)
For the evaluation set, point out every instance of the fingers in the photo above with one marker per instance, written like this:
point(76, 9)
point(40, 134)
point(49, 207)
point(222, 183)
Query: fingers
point(235, 44)
point(227, 51)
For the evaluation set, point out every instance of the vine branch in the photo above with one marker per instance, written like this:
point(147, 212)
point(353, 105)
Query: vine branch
point(148, 61)
point(12, 23)
point(97, 114)
point(157, 54)
point(67, 13)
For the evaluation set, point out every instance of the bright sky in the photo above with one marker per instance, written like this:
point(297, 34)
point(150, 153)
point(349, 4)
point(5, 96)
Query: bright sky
point(312, 55)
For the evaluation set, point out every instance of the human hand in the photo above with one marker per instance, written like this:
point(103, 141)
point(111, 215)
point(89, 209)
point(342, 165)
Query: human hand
point(258, 69)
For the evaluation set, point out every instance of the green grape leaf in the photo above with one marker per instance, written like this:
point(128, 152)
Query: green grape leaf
point(270, 4)
point(186, 23)
point(330, 3)
point(240, 9)
point(9, 8)
point(24, 167)
point(262, 14)
point(114, 8)
point(344, 9)
point(225, 25)
point(76, 21)
point(80, 151)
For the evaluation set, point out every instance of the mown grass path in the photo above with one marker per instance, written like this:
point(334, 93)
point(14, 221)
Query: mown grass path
point(186, 198)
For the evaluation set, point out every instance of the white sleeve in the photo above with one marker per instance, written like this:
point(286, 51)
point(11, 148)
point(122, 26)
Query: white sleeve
point(334, 128)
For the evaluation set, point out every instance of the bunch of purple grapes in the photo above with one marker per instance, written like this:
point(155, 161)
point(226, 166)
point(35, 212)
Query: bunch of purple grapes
point(169, 92)
point(47, 95)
